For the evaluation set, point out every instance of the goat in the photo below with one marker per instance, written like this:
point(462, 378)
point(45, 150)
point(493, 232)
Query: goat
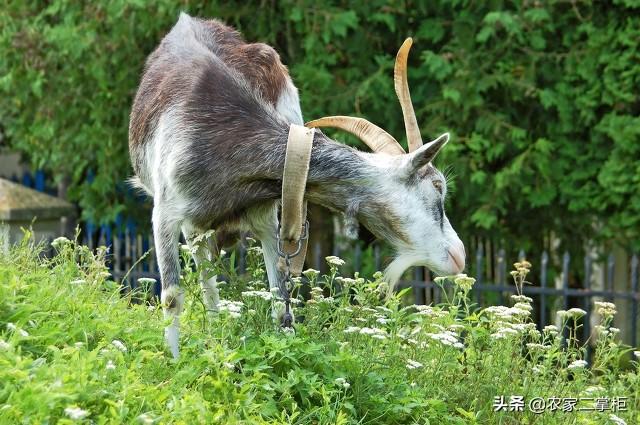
point(207, 139)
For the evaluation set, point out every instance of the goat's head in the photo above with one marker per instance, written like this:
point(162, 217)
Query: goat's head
point(412, 217)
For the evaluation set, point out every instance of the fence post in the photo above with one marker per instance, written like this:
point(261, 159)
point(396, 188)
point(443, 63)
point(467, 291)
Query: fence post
point(634, 301)
point(357, 257)
point(611, 268)
point(543, 285)
point(418, 289)
point(588, 301)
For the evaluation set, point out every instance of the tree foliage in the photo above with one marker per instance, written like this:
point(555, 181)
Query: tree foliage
point(541, 98)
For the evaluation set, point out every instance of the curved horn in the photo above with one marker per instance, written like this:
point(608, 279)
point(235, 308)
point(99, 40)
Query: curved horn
point(402, 90)
point(373, 136)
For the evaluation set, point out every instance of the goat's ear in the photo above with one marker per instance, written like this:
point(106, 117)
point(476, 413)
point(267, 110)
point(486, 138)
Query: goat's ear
point(426, 153)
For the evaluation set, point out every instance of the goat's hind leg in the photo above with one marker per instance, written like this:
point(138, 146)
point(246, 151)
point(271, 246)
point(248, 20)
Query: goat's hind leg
point(166, 233)
point(203, 250)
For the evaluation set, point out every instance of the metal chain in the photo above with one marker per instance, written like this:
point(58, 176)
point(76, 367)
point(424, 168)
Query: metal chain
point(287, 319)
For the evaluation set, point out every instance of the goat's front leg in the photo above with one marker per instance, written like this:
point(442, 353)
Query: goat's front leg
point(166, 233)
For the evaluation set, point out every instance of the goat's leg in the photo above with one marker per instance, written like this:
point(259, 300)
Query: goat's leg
point(264, 223)
point(166, 234)
point(202, 251)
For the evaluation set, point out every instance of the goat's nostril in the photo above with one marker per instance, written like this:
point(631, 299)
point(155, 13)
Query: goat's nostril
point(457, 254)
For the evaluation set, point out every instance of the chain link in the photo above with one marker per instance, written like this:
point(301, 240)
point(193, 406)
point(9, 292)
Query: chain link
point(287, 319)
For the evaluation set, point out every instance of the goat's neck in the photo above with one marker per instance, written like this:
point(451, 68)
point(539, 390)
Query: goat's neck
point(340, 178)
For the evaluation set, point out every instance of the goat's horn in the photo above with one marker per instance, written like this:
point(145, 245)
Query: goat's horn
point(402, 90)
point(373, 136)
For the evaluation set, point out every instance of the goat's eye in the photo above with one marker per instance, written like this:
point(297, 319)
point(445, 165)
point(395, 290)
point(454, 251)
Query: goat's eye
point(438, 185)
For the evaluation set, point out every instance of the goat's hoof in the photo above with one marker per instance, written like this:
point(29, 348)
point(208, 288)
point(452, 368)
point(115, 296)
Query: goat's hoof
point(287, 320)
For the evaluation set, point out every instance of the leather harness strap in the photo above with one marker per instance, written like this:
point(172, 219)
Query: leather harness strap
point(294, 208)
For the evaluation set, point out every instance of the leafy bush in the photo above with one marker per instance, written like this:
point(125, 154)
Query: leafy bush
point(72, 348)
point(541, 97)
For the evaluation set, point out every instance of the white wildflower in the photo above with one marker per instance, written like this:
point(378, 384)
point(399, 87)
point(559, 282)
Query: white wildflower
point(311, 274)
point(23, 332)
point(4, 345)
point(535, 346)
point(412, 364)
point(342, 382)
point(78, 344)
point(614, 331)
point(577, 364)
point(523, 306)
point(605, 309)
point(521, 299)
point(265, 295)
point(104, 274)
point(637, 354)
point(59, 242)
point(464, 282)
point(562, 314)
point(332, 260)
point(119, 345)
point(374, 333)
point(146, 281)
point(504, 333)
point(538, 369)
point(593, 390)
point(11, 326)
point(145, 419)
point(382, 320)
point(78, 282)
point(617, 420)
point(110, 365)
point(76, 413)
point(551, 329)
point(230, 366)
point(234, 308)
point(446, 338)
point(576, 313)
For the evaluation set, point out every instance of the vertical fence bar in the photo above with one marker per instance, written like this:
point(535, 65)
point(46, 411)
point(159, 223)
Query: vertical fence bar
point(611, 268)
point(418, 289)
point(357, 257)
point(479, 269)
point(140, 251)
point(117, 257)
point(502, 271)
point(376, 256)
point(566, 259)
point(317, 255)
point(634, 301)
point(543, 284)
point(127, 251)
point(587, 302)
point(521, 255)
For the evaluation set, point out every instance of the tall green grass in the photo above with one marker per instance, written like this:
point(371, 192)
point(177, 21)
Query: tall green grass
point(74, 348)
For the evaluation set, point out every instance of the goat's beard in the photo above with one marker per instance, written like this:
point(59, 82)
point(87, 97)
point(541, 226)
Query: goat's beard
point(399, 265)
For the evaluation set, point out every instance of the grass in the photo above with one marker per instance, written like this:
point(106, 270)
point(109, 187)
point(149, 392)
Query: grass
point(73, 349)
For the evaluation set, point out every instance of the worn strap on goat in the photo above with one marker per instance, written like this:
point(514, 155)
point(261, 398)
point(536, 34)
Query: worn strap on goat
point(294, 208)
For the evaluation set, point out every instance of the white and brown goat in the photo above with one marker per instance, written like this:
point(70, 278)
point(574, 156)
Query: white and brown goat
point(207, 140)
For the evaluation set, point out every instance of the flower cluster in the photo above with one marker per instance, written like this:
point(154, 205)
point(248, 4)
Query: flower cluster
point(332, 260)
point(605, 309)
point(572, 313)
point(577, 364)
point(446, 337)
point(376, 333)
point(464, 282)
point(412, 364)
point(234, 308)
point(265, 295)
